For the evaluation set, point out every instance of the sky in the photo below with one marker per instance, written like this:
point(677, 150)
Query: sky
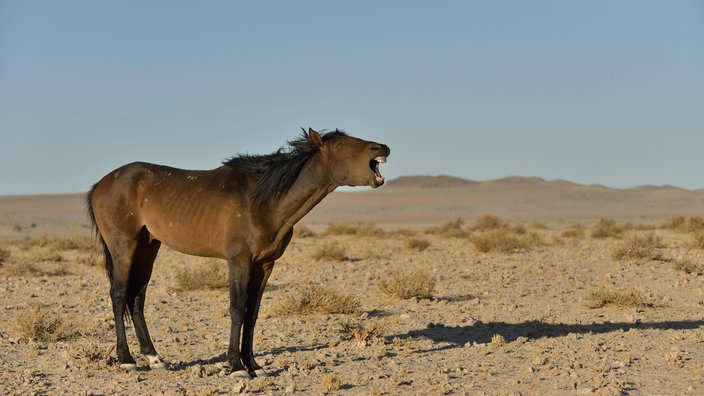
point(594, 92)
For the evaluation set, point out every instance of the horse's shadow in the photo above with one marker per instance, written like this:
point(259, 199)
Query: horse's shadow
point(482, 333)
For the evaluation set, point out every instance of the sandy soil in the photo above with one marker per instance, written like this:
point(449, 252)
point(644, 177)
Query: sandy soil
point(498, 323)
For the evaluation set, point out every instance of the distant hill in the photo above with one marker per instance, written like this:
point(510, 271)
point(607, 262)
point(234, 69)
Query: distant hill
point(413, 201)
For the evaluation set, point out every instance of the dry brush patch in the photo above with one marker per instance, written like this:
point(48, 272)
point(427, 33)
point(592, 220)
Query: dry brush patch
point(639, 247)
point(310, 298)
point(418, 244)
point(689, 267)
point(43, 324)
point(507, 240)
point(452, 229)
point(602, 297)
point(330, 251)
point(359, 229)
point(213, 274)
point(406, 285)
point(607, 228)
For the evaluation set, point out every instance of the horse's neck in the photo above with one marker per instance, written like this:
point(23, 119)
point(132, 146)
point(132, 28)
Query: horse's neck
point(309, 189)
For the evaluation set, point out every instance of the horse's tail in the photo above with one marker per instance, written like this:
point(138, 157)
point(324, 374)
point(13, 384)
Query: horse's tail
point(107, 258)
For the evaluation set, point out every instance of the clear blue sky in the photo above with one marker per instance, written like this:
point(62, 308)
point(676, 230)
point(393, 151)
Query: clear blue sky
point(608, 92)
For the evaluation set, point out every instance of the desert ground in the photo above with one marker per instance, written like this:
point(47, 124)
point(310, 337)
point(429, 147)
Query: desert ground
point(429, 285)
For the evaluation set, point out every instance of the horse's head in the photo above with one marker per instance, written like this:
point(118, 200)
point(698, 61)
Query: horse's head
point(350, 161)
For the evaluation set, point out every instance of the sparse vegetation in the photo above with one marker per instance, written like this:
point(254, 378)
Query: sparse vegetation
point(452, 229)
point(689, 267)
point(507, 240)
point(42, 324)
point(312, 298)
point(639, 247)
point(213, 274)
point(361, 332)
point(302, 232)
point(606, 228)
point(331, 382)
point(408, 285)
point(359, 229)
point(487, 222)
point(418, 244)
point(698, 240)
point(575, 231)
point(330, 251)
point(4, 255)
point(601, 298)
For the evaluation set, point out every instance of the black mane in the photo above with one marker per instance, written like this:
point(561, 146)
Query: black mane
point(279, 170)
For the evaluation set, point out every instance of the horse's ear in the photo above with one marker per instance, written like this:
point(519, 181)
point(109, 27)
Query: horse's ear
point(315, 137)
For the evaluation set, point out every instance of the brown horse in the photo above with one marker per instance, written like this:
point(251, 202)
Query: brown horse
point(244, 212)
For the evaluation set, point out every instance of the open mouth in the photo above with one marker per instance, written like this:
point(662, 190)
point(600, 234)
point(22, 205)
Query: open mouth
point(374, 165)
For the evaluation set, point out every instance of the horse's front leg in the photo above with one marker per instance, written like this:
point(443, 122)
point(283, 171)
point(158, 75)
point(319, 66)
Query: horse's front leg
point(239, 270)
point(257, 282)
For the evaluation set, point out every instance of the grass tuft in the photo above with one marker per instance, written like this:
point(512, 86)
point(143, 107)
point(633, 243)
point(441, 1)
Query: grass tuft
point(606, 228)
point(575, 231)
point(331, 382)
point(689, 267)
point(602, 298)
point(418, 244)
point(42, 324)
point(408, 285)
point(330, 252)
point(208, 276)
point(312, 298)
point(487, 222)
point(639, 248)
point(359, 229)
point(362, 333)
point(507, 240)
point(452, 229)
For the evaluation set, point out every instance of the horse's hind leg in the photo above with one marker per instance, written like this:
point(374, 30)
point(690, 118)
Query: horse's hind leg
point(122, 260)
point(140, 273)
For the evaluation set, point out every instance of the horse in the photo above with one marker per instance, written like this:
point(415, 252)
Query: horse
point(243, 211)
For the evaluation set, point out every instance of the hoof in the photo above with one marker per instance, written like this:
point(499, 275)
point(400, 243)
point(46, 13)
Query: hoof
point(240, 374)
point(158, 366)
point(155, 363)
point(260, 373)
point(128, 367)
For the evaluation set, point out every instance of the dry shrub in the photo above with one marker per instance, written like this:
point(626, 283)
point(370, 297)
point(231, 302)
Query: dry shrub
point(418, 244)
point(497, 341)
point(42, 324)
point(408, 285)
point(689, 267)
point(575, 231)
point(680, 223)
point(211, 275)
point(44, 267)
point(676, 223)
point(331, 382)
point(404, 232)
point(695, 224)
point(606, 228)
point(486, 223)
point(4, 255)
point(507, 240)
point(452, 229)
point(83, 244)
point(312, 298)
point(698, 240)
point(330, 251)
point(639, 247)
point(602, 298)
point(302, 232)
point(362, 333)
point(359, 229)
